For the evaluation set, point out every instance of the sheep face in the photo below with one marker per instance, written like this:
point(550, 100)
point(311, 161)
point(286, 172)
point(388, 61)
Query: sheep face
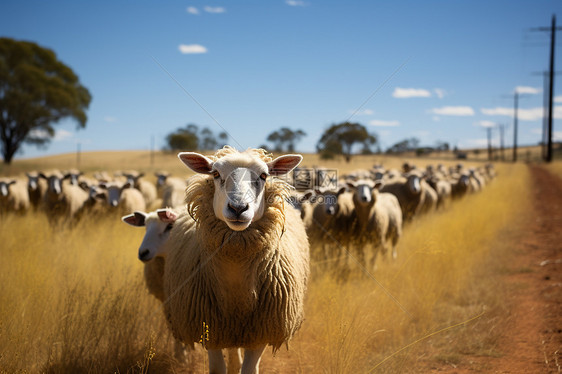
point(329, 200)
point(161, 178)
point(5, 188)
point(32, 182)
point(114, 192)
point(414, 184)
point(240, 182)
point(54, 183)
point(364, 191)
point(158, 227)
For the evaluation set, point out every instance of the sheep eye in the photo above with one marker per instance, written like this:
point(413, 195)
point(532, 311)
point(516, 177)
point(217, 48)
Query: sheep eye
point(263, 176)
point(216, 174)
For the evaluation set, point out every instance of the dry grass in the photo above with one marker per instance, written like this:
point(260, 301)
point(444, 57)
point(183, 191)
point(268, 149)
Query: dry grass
point(73, 300)
point(555, 168)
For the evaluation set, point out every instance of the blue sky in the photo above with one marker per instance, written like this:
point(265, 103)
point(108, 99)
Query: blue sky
point(436, 70)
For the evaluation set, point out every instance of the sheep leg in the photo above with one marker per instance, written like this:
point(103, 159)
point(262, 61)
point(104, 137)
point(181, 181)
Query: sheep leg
point(216, 362)
point(234, 360)
point(252, 360)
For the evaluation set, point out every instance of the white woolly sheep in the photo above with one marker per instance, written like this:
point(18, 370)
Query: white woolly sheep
point(124, 196)
point(170, 189)
point(152, 252)
point(62, 200)
point(379, 216)
point(408, 191)
point(147, 189)
point(13, 196)
point(36, 189)
point(332, 227)
point(242, 271)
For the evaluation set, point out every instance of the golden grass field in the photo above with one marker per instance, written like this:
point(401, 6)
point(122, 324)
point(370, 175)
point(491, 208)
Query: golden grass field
point(73, 299)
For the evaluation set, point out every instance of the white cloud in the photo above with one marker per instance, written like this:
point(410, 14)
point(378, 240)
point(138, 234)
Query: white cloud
point(436, 118)
point(557, 136)
point(295, 3)
point(536, 131)
point(440, 92)
point(192, 10)
point(362, 112)
point(215, 9)
point(485, 124)
point(477, 142)
point(453, 111)
point(191, 49)
point(404, 93)
point(110, 119)
point(61, 135)
point(558, 99)
point(530, 114)
point(38, 133)
point(381, 123)
point(527, 90)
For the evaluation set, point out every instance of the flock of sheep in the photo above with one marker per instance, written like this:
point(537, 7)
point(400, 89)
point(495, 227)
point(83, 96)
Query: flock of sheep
point(227, 251)
point(362, 214)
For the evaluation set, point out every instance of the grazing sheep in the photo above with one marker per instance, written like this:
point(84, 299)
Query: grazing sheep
point(147, 189)
point(408, 191)
point(36, 188)
point(443, 189)
point(62, 200)
point(73, 175)
point(460, 186)
point(379, 216)
point(124, 196)
point(333, 223)
point(301, 202)
point(242, 271)
point(170, 189)
point(13, 196)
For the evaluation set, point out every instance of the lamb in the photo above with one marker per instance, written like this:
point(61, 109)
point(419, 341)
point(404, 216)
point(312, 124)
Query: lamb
point(62, 201)
point(73, 175)
point(36, 189)
point(170, 189)
point(124, 196)
point(408, 191)
point(242, 270)
point(13, 196)
point(147, 189)
point(378, 215)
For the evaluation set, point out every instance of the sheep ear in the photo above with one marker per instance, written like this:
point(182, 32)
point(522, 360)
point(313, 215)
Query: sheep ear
point(307, 195)
point(11, 182)
point(135, 219)
point(166, 215)
point(103, 185)
point(283, 164)
point(41, 175)
point(196, 162)
point(351, 184)
point(378, 184)
point(342, 190)
point(140, 176)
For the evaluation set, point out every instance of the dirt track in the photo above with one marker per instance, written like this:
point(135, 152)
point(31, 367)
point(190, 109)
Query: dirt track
point(531, 339)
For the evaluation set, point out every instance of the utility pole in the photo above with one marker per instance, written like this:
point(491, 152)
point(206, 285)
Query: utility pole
point(502, 128)
point(77, 155)
point(552, 29)
point(516, 102)
point(152, 151)
point(489, 131)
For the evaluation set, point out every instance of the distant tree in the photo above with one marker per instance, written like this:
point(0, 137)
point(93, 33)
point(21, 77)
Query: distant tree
point(223, 139)
point(284, 139)
point(183, 139)
point(36, 91)
point(406, 145)
point(339, 139)
point(207, 140)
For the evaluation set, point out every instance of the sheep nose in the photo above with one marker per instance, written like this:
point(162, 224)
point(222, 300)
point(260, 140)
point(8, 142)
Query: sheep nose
point(364, 198)
point(114, 203)
point(237, 209)
point(144, 254)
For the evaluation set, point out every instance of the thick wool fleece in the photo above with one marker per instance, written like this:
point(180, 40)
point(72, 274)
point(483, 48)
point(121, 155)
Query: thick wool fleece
point(247, 286)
